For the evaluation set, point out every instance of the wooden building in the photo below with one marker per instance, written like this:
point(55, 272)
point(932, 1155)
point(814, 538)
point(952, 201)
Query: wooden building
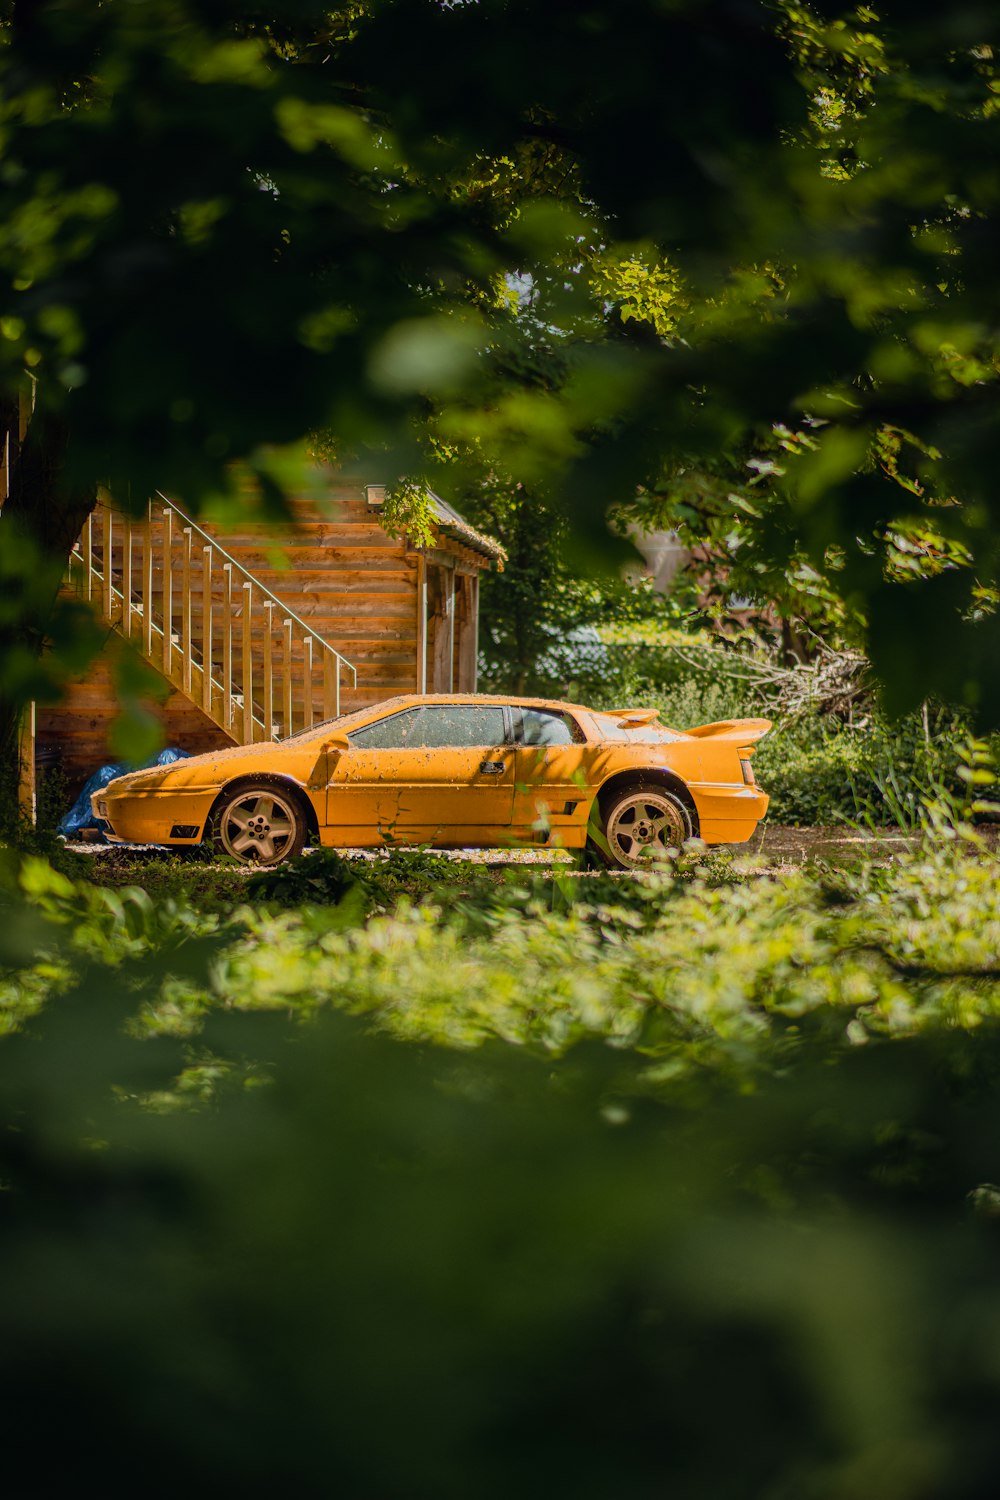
point(260, 631)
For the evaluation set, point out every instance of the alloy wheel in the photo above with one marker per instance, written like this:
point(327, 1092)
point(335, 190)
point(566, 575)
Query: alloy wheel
point(642, 825)
point(258, 827)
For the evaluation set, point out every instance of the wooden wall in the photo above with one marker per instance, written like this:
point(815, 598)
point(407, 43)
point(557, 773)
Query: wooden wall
point(405, 619)
point(76, 730)
point(356, 586)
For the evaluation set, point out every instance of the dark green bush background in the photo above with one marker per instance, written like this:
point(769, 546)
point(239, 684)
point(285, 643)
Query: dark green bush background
point(817, 769)
point(677, 1187)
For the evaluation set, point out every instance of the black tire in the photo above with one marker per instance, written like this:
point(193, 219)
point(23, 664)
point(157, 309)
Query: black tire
point(260, 823)
point(641, 823)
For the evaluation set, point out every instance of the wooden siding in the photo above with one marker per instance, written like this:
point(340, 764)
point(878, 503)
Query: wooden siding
point(348, 580)
point(339, 571)
point(76, 729)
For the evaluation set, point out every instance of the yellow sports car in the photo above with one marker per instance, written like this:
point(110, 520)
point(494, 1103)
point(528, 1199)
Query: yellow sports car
point(456, 771)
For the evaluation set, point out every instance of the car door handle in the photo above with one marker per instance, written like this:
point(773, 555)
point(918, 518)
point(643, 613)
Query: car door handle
point(491, 767)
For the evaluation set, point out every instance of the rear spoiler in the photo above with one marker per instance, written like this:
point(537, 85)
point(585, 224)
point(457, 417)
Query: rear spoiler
point(738, 731)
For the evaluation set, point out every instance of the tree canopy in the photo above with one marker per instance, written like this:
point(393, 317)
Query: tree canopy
point(719, 260)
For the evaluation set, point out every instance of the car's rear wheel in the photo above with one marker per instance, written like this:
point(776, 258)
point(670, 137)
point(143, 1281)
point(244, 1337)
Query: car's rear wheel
point(641, 824)
point(260, 824)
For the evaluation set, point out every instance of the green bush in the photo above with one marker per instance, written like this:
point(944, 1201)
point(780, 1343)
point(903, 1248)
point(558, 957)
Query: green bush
point(361, 883)
point(817, 770)
point(683, 961)
point(697, 1198)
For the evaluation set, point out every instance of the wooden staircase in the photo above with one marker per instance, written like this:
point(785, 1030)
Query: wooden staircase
point(213, 630)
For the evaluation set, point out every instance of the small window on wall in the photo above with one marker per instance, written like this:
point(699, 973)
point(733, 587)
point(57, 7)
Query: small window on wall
point(543, 726)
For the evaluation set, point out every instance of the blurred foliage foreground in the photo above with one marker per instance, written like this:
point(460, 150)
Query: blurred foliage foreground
point(681, 1185)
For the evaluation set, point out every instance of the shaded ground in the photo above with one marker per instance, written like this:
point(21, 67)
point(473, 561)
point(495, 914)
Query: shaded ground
point(773, 848)
point(777, 847)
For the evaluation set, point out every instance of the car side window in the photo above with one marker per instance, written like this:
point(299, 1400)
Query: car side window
point(393, 733)
point(543, 726)
point(458, 726)
point(437, 727)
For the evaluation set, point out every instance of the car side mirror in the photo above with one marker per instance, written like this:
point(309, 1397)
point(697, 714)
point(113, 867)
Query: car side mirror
point(329, 755)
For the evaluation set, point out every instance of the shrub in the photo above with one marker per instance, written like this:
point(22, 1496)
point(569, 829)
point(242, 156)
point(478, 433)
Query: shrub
point(767, 1210)
point(323, 875)
point(813, 773)
point(817, 769)
point(361, 882)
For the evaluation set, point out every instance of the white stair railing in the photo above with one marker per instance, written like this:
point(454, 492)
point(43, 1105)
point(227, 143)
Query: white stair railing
point(214, 630)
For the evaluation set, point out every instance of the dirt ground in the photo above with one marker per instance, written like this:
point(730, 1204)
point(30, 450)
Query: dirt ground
point(775, 845)
point(773, 849)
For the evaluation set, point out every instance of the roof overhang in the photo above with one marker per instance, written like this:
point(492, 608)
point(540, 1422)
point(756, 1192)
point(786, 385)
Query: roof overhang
point(449, 522)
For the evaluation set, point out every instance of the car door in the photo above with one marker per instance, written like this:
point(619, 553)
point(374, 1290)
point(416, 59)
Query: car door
point(437, 773)
point(455, 777)
point(362, 791)
point(552, 777)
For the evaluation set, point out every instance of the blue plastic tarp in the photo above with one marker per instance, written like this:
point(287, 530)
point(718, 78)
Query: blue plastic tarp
point(80, 817)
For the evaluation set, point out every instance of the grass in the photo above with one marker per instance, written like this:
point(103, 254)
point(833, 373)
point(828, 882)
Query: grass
point(211, 884)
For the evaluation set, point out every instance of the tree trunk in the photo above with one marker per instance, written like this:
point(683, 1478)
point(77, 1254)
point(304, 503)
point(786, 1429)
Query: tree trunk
point(41, 518)
point(795, 645)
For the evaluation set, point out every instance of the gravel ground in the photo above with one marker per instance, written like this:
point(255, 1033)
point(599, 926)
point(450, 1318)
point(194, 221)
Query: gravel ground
point(773, 848)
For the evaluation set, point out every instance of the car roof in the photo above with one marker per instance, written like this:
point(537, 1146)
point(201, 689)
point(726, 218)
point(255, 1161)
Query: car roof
point(357, 718)
point(406, 700)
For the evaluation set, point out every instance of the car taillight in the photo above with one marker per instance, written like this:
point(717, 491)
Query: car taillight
point(747, 772)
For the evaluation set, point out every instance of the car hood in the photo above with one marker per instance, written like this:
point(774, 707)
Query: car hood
point(195, 770)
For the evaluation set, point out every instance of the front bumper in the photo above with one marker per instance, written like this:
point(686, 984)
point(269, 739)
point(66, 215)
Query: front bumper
point(158, 816)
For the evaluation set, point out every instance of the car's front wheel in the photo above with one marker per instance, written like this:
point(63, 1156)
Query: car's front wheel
point(641, 824)
point(260, 824)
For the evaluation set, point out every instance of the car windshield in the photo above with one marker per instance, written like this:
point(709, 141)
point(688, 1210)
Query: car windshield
point(343, 725)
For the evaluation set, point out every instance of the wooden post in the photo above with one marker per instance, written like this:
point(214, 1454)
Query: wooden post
point(186, 611)
point(27, 798)
point(286, 685)
point(247, 664)
point(88, 557)
point(227, 645)
point(147, 584)
point(127, 578)
point(206, 629)
point(449, 604)
point(331, 686)
point(421, 623)
point(268, 690)
point(106, 543)
point(465, 634)
point(168, 593)
point(457, 634)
